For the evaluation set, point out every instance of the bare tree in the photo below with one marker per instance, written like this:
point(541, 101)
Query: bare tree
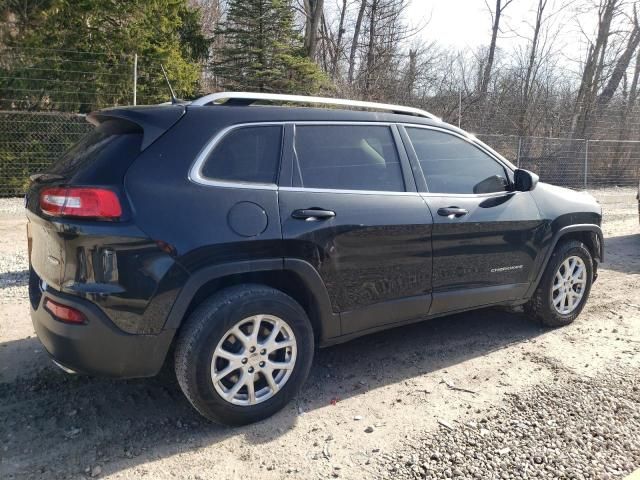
point(211, 13)
point(371, 47)
point(496, 16)
point(313, 11)
point(593, 67)
point(539, 51)
point(623, 62)
point(533, 50)
point(355, 40)
point(634, 93)
point(337, 49)
point(382, 58)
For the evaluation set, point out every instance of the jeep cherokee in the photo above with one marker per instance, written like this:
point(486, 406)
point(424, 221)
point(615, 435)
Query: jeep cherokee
point(239, 235)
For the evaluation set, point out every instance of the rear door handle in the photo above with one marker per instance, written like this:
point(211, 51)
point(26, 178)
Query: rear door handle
point(452, 212)
point(312, 214)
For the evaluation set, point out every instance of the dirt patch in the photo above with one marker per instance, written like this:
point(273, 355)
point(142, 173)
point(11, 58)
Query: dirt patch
point(366, 401)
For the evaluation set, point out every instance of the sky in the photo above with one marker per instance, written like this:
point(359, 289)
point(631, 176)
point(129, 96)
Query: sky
point(464, 24)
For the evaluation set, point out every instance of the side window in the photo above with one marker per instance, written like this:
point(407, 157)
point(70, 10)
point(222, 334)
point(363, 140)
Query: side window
point(452, 165)
point(246, 154)
point(347, 157)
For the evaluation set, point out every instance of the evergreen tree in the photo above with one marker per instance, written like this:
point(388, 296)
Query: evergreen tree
point(261, 50)
point(77, 55)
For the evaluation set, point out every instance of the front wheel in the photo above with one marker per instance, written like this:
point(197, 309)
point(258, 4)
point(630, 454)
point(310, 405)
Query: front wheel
point(564, 287)
point(243, 354)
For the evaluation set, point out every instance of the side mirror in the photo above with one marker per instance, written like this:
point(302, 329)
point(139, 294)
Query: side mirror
point(492, 184)
point(524, 180)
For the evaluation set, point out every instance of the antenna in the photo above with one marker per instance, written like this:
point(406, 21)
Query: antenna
point(174, 99)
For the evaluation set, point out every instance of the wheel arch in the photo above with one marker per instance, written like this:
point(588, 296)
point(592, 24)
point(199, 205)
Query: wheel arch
point(590, 235)
point(294, 277)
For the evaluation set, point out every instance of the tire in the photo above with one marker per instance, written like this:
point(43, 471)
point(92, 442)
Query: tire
point(541, 306)
point(205, 342)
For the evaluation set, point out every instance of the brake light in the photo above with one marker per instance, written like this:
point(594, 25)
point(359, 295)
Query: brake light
point(64, 313)
point(80, 202)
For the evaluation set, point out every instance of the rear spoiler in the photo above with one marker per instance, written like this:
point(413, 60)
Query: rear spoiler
point(154, 120)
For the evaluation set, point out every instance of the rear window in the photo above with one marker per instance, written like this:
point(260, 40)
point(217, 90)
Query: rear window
point(246, 154)
point(112, 141)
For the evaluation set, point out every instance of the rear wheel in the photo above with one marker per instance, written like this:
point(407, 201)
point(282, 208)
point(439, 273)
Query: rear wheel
point(564, 287)
point(243, 354)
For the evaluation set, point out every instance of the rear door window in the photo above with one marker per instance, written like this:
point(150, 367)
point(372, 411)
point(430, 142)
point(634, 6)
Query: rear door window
point(453, 165)
point(246, 154)
point(347, 157)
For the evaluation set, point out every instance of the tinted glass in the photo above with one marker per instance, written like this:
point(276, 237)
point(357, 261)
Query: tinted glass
point(347, 157)
point(453, 165)
point(247, 154)
point(111, 140)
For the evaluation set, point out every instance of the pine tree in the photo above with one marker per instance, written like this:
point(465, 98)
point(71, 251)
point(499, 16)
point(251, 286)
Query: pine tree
point(77, 55)
point(261, 50)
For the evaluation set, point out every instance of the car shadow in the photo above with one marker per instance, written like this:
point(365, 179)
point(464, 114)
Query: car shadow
point(55, 425)
point(14, 279)
point(622, 253)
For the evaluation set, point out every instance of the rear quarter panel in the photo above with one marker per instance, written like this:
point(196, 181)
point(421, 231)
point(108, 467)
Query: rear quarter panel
point(193, 218)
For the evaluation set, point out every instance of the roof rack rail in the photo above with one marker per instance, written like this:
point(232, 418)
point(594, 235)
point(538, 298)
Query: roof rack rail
point(248, 98)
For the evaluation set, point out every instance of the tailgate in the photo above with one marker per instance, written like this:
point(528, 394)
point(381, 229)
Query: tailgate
point(66, 251)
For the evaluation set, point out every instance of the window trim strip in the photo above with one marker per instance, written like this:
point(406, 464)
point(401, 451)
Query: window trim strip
point(195, 172)
point(361, 192)
point(476, 142)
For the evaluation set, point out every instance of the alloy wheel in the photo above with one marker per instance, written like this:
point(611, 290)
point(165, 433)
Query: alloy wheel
point(253, 360)
point(569, 284)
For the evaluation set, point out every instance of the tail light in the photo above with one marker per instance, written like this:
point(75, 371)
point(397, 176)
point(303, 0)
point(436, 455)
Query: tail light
point(96, 203)
point(64, 313)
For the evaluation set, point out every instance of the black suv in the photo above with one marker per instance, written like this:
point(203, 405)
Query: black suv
point(241, 236)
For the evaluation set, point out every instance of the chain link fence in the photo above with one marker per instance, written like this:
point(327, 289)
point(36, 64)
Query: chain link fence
point(574, 163)
point(42, 90)
point(608, 169)
point(31, 141)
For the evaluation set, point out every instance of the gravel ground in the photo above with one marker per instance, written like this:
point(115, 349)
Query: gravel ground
point(576, 428)
point(11, 206)
point(13, 261)
point(485, 394)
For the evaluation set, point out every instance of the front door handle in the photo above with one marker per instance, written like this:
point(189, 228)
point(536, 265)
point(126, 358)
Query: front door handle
point(312, 214)
point(452, 212)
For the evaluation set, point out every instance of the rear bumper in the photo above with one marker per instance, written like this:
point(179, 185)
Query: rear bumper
point(98, 347)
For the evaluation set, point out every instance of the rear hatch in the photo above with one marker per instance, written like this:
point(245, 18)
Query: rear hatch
point(79, 203)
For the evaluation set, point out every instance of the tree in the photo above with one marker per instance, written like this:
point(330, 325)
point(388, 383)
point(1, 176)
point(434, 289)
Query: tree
point(622, 64)
point(537, 52)
point(594, 68)
point(383, 57)
point(356, 39)
point(78, 55)
point(337, 48)
point(262, 51)
point(496, 15)
point(313, 10)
